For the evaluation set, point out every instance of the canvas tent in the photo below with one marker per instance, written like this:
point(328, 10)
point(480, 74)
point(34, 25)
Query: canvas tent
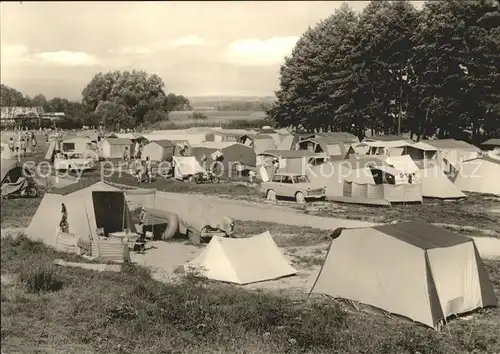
point(479, 175)
point(491, 144)
point(412, 269)
point(159, 150)
point(327, 145)
point(293, 161)
point(79, 144)
point(97, 206)
point(452, 152)
point(241, 260)
point(330, 175)
point(226, 158)
point(259, 143)
point(436, 185)
point(186, 166)
point(406, 165)
point(113, 148)
point(421, 151)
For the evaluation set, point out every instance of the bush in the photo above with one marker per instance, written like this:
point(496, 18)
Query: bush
point(41, 277)
point(198, 115)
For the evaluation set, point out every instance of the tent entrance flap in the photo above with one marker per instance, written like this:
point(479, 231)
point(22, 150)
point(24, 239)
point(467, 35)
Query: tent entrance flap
point(110, 211)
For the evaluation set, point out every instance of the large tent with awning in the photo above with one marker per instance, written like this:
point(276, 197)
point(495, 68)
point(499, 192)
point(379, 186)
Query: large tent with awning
point(411, 269)
point(95, 207)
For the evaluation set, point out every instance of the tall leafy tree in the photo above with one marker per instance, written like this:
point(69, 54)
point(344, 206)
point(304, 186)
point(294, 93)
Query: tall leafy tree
point(114, 115)
point(10, 97)
point(316, 84)
point(456, 56)
point(136, 91)
point(381, 63)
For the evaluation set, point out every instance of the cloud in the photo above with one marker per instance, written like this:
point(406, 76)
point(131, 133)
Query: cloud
point(13, 53)
point(66, 58)
point(261, 52)
point(139, 51)
point(19, 54)
point(189, 41)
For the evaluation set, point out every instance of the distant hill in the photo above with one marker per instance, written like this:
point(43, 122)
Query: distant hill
point(232, 103)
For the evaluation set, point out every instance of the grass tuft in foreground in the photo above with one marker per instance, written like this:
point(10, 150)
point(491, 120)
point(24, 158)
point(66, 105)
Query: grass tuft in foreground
point(42, 277)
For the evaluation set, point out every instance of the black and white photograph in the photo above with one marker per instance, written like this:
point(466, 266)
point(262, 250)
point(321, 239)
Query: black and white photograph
point(250, 177)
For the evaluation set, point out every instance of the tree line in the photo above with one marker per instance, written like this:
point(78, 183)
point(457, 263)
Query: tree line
point(394, 69)
point(115, 100)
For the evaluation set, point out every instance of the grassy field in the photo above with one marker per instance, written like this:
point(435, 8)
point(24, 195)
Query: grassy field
point(65, 310)
point(224, 119)
point(219, 115)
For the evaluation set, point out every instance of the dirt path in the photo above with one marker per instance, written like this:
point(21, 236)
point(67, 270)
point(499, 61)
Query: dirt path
point(251, 211)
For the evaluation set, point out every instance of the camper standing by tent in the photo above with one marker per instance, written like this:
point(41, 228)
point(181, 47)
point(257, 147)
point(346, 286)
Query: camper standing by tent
point(141, 230)
point(126, 154)
point(137, 150)
point(33, 142)
point(149, 169)
point(11, 144)
point(22, 145)
point(63, 225)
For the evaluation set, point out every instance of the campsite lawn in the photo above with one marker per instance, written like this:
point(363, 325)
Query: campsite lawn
point(81, 311)
point(472, 216)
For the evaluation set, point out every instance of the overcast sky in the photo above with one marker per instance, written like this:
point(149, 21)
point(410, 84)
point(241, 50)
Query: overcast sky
point(198, 48)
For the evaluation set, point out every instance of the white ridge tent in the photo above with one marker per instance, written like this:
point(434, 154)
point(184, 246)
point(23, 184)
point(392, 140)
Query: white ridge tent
point(241, 260)
point(186, 166)
point(479, 175)
point(412, 269)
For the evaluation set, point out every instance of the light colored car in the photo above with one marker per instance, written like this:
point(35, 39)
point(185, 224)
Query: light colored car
point(72, 161)
point(292, 185)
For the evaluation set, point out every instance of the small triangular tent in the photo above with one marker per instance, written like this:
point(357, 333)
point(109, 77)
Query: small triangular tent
point(242, 260)
point(435, 184)
point(186, 166)
point(97, 206)
point(480, 176)
point(412, 269)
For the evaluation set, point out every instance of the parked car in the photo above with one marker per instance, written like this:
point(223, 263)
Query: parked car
point(292, 185)
point(72, 161)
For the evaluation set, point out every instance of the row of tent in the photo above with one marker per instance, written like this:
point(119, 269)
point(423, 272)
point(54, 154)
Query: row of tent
point(242, 149)
point(411, 269)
